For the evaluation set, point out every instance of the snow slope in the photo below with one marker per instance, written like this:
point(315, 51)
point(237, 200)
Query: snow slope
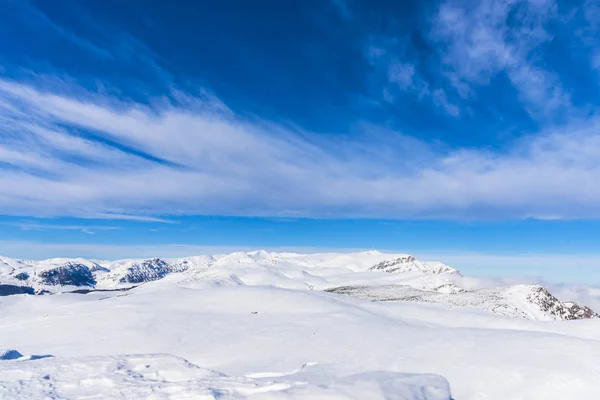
point(144, 376)
point(265, 321)
point(267, 331)
point(517, 301)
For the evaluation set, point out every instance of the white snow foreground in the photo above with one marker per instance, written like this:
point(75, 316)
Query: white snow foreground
point(266, 321)
point(163, 376)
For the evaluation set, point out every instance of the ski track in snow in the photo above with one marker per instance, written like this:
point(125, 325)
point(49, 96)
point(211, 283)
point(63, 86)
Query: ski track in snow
point(264, 321)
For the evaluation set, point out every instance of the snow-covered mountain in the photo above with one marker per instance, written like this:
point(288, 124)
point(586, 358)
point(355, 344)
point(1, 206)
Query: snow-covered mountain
point(517, 301)
point(69, 274)
point(141, 271)
point(408, 263)
point(58, 274)
point(371, 275)
point(362, 325)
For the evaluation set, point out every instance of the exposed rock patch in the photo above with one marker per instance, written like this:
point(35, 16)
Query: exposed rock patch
point(9, 354)
point(408, 263)
point(70, 273)
point(22, 276)
point(8, 290)
point(150, 270)
point(553, 306)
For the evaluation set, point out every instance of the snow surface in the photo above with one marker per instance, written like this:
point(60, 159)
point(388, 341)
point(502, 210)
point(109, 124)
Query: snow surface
point(264, 321)
point(159, 376)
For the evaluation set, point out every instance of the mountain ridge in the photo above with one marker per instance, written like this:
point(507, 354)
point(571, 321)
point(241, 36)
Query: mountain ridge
point(370, 275)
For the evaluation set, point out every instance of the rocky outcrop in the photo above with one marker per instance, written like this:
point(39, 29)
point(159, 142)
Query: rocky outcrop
point(563, 311)
point(22, 276)
point(69, 274)
point(408, 263)
point(149, 270)
point(448, 288)
point(9, 290)
point(9, 354)
point(98, 268)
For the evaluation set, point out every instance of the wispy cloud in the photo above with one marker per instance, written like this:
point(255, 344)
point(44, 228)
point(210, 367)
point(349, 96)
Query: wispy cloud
point(441, 100)
point(342, 7)
point(481, 41)
point(401, 73)
point(220, 163)
point(95, 43)
point(400, 76)
point(68, 150)
point(36, 16)
point(128, 217)
point(88, 229)
point(39, 251)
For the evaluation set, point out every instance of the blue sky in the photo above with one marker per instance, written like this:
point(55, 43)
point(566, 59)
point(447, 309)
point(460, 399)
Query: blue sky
point(461, 130)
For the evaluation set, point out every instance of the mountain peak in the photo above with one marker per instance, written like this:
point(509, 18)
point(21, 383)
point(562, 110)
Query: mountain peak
point(407, 263)
point(549, 304)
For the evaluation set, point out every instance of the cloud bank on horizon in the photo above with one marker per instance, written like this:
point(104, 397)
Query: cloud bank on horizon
point(475, 110)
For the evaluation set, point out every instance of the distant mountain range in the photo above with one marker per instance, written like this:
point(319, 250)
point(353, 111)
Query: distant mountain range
point(368, 275)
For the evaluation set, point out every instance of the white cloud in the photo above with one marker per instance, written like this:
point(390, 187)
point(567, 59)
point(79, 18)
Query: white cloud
point(39, 251)
point(520, 267)
point(569, 277)
point(401, 74)
point(215, 162)
point(478, 42)
point(581, 294)
point(88, 229)
point(441, 100)
point(588, 31)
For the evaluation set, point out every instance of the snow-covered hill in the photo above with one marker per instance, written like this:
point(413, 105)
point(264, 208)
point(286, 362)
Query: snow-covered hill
point(517, 301)
point(141, 271)
point(371, 275)
point(408, 263)
point(285, 325)
point(306, 343)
